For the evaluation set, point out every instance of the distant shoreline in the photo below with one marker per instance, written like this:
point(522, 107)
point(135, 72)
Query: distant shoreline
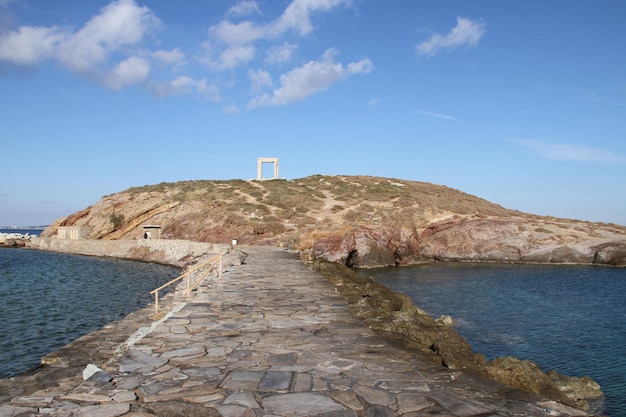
point(23, 228)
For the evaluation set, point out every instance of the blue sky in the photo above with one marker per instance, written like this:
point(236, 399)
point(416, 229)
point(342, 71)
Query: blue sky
point(522, 103)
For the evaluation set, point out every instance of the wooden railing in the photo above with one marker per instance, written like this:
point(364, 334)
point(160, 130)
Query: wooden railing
point(209, 265)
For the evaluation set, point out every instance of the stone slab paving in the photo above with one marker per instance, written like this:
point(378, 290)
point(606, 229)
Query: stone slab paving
point(273, 338)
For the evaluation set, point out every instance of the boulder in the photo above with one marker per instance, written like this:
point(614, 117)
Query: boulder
point(525, 375)
point(445, 320)
point(584, 391)
point(612, 253)
point(570, 255)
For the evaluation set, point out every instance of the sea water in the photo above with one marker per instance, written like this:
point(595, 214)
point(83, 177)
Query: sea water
point(568, 318)
point(49, 299)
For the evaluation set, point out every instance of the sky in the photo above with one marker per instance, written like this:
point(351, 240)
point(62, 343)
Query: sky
point(522, 103)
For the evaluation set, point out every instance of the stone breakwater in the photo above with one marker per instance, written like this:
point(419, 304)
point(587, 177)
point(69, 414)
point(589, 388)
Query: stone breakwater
point(14, 239)
point(271, 338)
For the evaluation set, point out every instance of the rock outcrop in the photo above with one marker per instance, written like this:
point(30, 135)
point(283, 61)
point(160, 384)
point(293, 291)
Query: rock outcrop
point(354, 220)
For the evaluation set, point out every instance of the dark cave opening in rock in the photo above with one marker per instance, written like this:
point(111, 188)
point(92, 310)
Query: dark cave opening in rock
point(350, 258)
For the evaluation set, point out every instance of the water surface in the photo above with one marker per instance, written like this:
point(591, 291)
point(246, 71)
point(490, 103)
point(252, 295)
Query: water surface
point(49, 299)
point(568, 318)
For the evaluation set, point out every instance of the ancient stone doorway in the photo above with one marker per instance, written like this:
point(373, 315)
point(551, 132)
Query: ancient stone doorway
point(259, 169)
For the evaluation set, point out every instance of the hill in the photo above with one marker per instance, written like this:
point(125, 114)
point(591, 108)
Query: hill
point(355, 220)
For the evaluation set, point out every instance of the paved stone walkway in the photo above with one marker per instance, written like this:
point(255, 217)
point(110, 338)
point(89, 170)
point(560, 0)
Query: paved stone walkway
point(273, 338)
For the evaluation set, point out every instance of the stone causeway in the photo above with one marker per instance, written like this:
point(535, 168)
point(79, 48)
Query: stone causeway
point(270, 338)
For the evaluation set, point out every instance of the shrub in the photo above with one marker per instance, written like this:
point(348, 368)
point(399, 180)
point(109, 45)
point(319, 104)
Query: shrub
point(117, 220)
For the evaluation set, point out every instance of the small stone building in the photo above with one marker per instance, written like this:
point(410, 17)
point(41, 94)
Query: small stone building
point(70, 232)
point(151, 231)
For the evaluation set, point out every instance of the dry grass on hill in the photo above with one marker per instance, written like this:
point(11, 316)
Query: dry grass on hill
point(307, 199)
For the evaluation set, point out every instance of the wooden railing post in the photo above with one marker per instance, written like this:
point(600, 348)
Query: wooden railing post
point(211, 262)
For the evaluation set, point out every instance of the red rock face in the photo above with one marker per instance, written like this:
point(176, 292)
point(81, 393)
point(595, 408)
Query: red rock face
point(334, 246)
point(463, 239)
point(367, 246)
point(474, 239)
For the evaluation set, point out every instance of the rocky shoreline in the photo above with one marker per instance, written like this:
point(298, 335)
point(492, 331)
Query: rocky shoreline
point(387, 313)
point(395, 317)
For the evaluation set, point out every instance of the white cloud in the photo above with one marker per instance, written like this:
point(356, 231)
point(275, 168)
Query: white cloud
point(571, 152)
point(110, 48)
point(233, 57)
point(30, 45)
point(437, 115)
point(245, 8)
point(237, 33)
point(231, 109)
point(313, 77)
point(169, 57)
point(121, 23)
point(183, 86)
point(467, 32)
point(281, 53)
point(259, 79)
point(297, 17)
point(363, 66)
point(127, 72)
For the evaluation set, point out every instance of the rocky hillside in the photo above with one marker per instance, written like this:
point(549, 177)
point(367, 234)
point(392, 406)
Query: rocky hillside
point(356, 220)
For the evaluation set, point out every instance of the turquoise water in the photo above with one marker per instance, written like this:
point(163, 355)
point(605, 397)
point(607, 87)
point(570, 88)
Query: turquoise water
point(48, 300)
point(567, 318)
